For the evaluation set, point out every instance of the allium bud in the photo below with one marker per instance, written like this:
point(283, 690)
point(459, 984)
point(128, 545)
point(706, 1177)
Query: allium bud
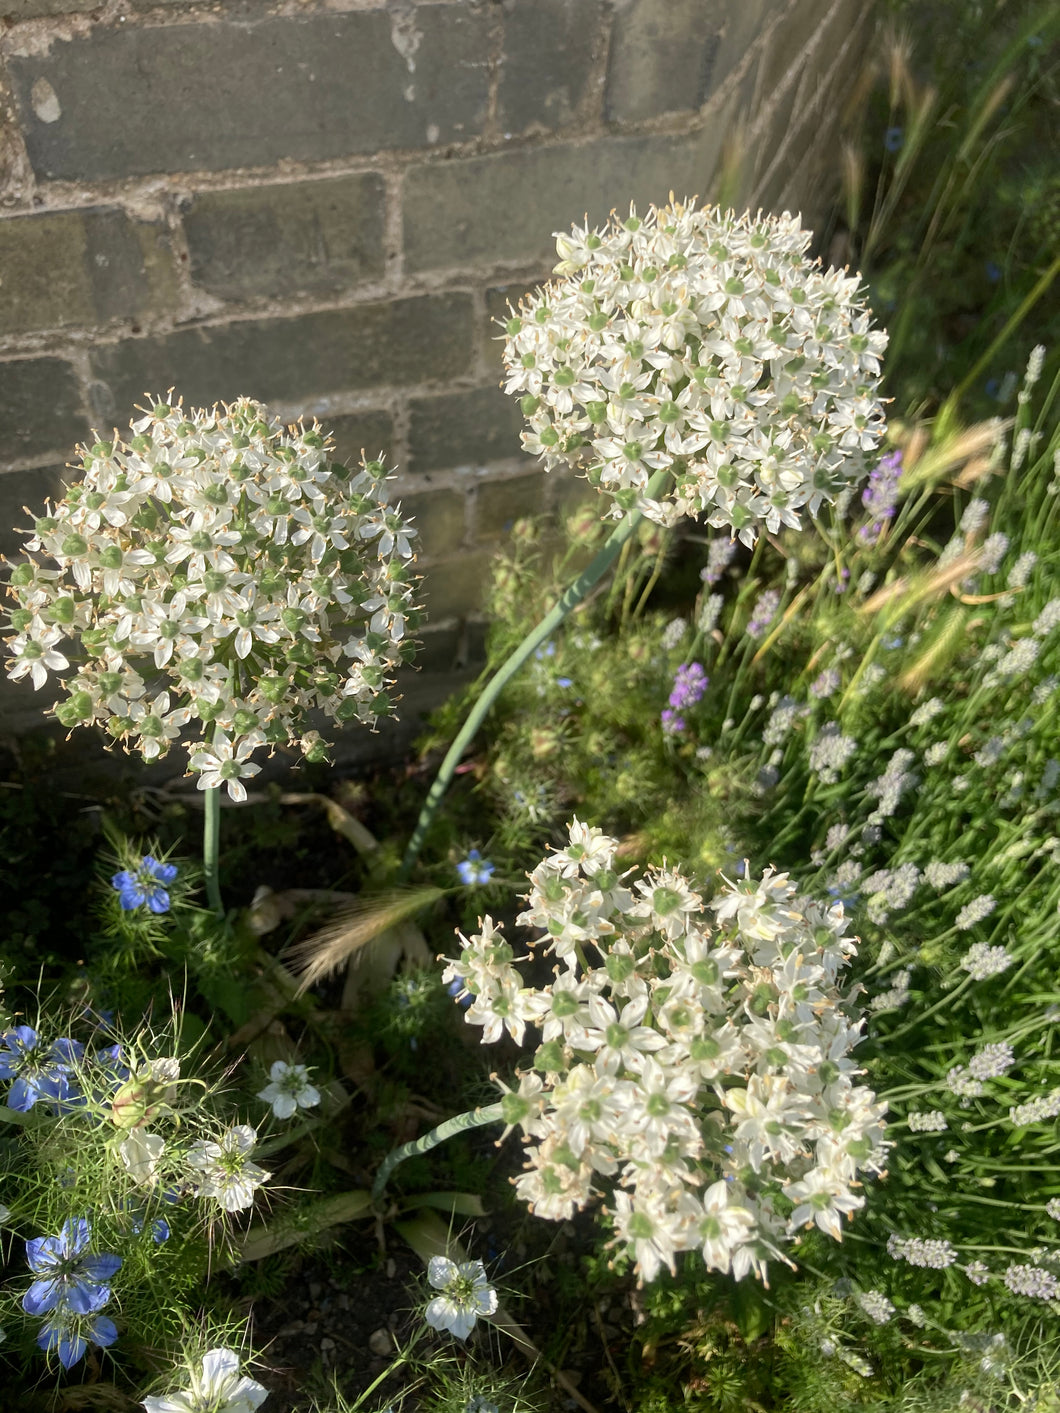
point(216, 571)
point(707, 345)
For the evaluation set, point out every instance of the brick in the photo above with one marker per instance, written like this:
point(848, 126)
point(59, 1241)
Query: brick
point(456, 587)
point(194, 97)
point(500, 503)
point(293, 361)
point(463, 429)
point(662, 58)
point(372, 432)
point(317, 237)
point(19, 489)
point(38, 9)
point(40, 410)
point(506, 207)
point(440, 520)
point(62, 268)
point(550, 50)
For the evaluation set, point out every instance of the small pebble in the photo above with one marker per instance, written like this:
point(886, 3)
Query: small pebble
point(380, 1342)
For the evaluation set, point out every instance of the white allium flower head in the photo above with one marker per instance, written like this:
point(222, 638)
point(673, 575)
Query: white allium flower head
point(707, 345)
point(216, 1387)
point(684, 1045)
point(466, 1294)
point(217, 571)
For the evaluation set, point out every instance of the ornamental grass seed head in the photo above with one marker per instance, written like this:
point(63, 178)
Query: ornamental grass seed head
point(708, 345)
point(216, 571)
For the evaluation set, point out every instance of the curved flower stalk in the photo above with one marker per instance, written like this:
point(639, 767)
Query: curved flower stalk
point(216, 575)
point(688, 363)
point(706, 344)
point(704, 1066)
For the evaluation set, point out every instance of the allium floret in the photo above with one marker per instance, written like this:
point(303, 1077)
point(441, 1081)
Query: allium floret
point(705, 1066)
point(707, 345)
point(216, 571)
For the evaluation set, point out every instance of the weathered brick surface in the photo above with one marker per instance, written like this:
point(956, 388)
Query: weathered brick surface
point(37, 9)
point(19, 489)
point(82, 267)
point(440, 520)
point(463, 429)
point(198, 97)
point(465, 132)
point(371, 432)
point(40, 410)
point(662, 58)
point(456, 587)
point(550, 50)
point(293, 360)
point(501, 503)
point(460, 214)
point(317, 237)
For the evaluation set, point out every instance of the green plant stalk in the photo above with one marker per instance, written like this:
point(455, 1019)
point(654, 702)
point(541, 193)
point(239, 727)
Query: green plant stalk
point(211, 843)
point(571, 597)
point(474, 1118)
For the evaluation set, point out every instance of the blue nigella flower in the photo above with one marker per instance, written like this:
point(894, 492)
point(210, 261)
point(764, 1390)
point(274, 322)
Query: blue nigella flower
point(993, 272)
point(160, 1231)
point(564, 681)
point(68, 1280)
point(454, 989)
point(893, 139)
point(474, 869)
point(146, 885)
point(70, 1335)
point(36, 1076)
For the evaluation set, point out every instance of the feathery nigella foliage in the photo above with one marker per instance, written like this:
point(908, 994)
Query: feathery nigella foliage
point(216, 571)
point(706, 344)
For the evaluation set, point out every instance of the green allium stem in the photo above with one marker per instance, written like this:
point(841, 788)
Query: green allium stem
point(211, 842)
point(474, 1118)
point(571, 597)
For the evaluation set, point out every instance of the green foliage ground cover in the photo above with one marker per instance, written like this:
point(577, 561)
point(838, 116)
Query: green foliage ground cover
point(878, 719)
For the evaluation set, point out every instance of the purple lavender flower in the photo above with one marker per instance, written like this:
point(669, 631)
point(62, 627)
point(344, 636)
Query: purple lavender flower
point(880, 496)
point(672, 724)
point(690, 682)
point(763, 613)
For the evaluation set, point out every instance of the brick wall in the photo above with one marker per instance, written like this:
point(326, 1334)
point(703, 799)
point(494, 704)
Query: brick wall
point(324, 203)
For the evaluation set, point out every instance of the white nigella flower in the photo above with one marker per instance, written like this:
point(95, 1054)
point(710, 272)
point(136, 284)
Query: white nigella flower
point(216, 1386)
point(215, 556)
point(466, 1294)
point(141, 1153)
point(224, 1168)
point(289, 1089)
